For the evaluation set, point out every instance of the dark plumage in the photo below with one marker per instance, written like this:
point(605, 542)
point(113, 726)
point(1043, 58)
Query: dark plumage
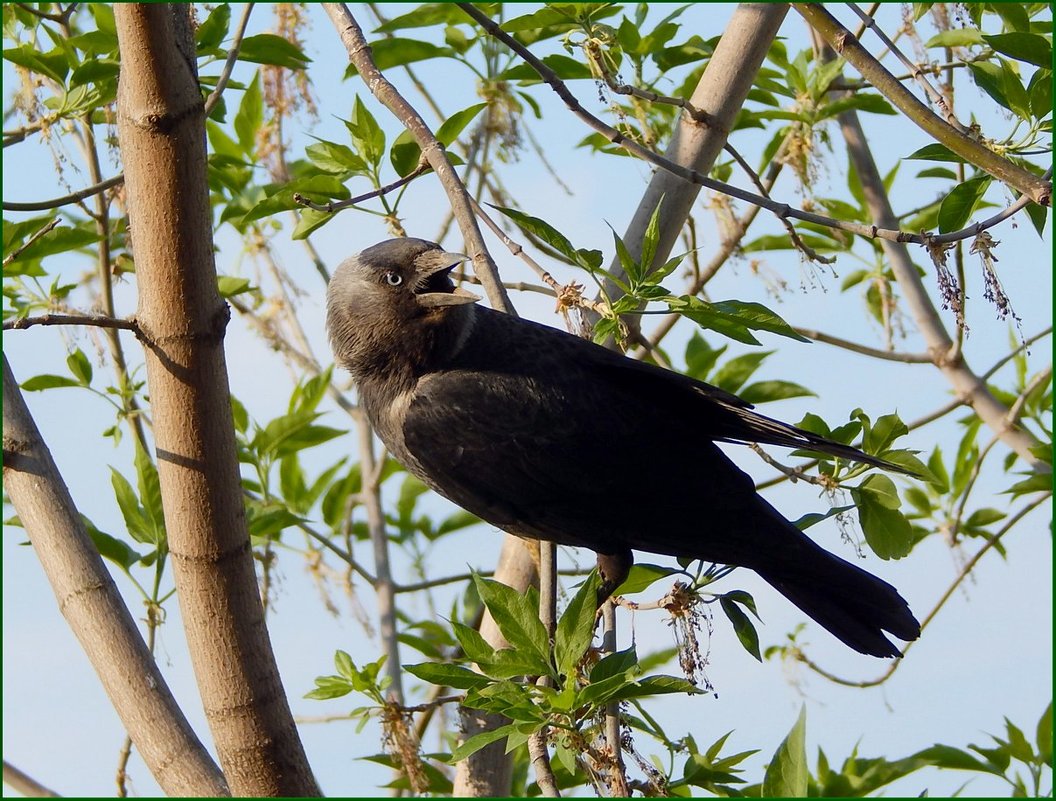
point(546, 435)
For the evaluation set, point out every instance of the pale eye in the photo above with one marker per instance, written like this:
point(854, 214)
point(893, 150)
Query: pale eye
point(393, 279)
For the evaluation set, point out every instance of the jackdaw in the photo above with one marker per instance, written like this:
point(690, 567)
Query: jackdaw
point(546, 435)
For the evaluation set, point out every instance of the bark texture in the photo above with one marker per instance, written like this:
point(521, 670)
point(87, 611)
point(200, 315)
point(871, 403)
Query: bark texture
point(182, 319)
point(95, 611)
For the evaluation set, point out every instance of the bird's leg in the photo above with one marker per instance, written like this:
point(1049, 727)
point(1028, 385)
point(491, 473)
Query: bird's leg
point(613, 569)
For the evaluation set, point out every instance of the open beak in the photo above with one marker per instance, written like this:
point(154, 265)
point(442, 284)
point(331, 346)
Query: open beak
point(432, 280)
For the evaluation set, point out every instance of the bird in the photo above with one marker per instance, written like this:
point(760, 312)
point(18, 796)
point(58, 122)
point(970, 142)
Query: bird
point(547, 435)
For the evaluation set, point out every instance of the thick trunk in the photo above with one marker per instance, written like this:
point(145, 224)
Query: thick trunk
point(182, 319)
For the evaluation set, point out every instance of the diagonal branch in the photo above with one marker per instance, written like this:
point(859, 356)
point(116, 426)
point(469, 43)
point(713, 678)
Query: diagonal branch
point(846, 45)
point(92, 605)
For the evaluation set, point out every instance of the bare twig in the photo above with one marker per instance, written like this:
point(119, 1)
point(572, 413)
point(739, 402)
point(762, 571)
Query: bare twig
point(26, 784)
point(915, 71)
point(383, 584)
point(876, 353)
point(229, 64)
point(95, 320)
point(66, 200)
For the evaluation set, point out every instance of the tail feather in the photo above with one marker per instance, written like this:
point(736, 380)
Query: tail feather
point(852, 604)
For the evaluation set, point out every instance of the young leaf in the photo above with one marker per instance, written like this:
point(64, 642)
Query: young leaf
point(575, 629)
point(742, 626)
point(787, 774)
point(516, 617)
point(446, 675)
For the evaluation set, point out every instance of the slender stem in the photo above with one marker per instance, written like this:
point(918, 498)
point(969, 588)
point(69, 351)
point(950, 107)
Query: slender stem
point(383, 584)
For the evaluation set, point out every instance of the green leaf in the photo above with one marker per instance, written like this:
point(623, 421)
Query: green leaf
point(41, 382)
point(873, 104)
point(446, 675)
point(935, 152)
point(575, 629)
point(566, 68)
point(1031, 47)
point(231, 285)
point(405, 153)
point(651, 238)
point(588, 259)
point(733, 318)
point(811, 518)
point(150, 493)
point(701, 357)
point(478, 741)
point(787, 774)
point(742, 626)
point(957, 207)
point(267, 48)
point(474, 646)
point(887, 530)
point(1014, 15)
point(334, 158)
point(1040, 91)
point(398, 52)
point(959, 37)
point(654, 685)
point(946, 756)
point(516, 617)
point(111, 548)
point(642, 576)
point(884, 431)
point(329, 687)
point(991, 79)
point(766, 391)
point(882, 489)
point(367, 136)
point(136, 521)
point(454, 125)
point(60, 239)
point(732, 375)
point(614, 664)
point(1043, 736)
point(54, 64)
point(250, 117)
point(212, 32)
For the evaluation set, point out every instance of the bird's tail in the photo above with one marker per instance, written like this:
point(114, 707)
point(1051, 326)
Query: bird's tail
point(852, 604)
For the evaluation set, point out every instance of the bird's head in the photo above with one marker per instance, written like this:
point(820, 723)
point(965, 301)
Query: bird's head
point(394, 299)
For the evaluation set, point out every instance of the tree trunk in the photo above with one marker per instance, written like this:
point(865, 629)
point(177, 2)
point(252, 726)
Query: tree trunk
point(182, 319)
point(95, 611)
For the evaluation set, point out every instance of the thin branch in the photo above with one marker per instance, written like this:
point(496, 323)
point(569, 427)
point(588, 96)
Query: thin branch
point(933, 94)
point(961, 576)
point(22, 248)
point(422, 168)
point(704, 118)
point(845, 44)
point(66, 200)
point(1038, 189)
point(26, 784)
point(876, 353)
point(229, 64)
point(383, 584)
point(95, 320)
point(340, 552)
